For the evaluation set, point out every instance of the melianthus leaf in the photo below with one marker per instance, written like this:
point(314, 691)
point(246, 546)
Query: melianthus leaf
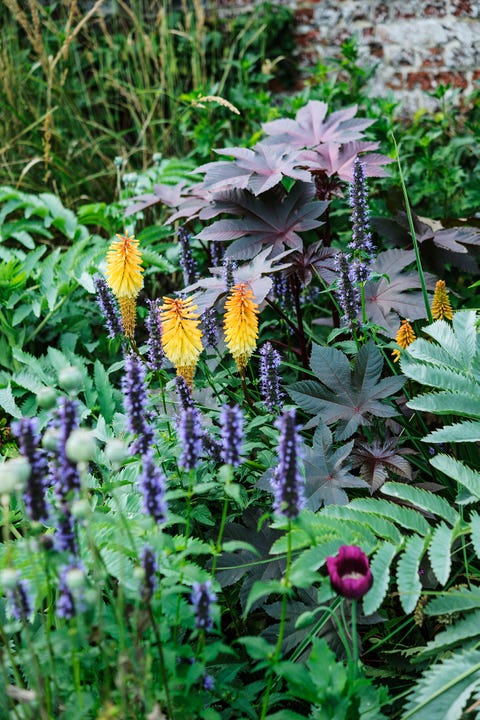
point(356, 394)
point(310, 127)
point(274, 219)
point(327, 471)
point(395, 295)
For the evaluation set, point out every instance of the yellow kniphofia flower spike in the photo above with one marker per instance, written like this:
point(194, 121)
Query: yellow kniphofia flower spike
point(124, 276)
point(405, 336)
point(241, 324)
point(441, 307)
point(181, 335)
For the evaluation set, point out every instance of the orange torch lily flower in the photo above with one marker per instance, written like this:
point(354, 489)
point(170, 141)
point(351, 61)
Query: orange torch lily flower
point(405, 336)
point(124, 277)
point(181, 336)
point(241, 324)
point(441, 307)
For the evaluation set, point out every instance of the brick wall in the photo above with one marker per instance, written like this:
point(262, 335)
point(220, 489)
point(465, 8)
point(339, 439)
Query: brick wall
point(415, 44)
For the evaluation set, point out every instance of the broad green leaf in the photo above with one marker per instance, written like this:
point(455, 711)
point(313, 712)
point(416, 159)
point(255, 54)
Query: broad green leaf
point(105, 391)
point(464, 629)
point(447, 402)
point(408, 581)
point(467, 431)
point(456, 600)
point(7, 402)
point(439, 377)
point(380, 526)
point(380, 567)
point(464, 324)
point(403, 516)
point(263, 588)
point(475, 532)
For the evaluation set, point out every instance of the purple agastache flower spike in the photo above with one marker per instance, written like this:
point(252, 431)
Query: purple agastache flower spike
point(270, 391)
point(229, 266)
point(150, 568)
point(153, 487)
point(135, 400)
point(208, 682)
point(187, 261)
point(287, 482)
point(347, 293)
point(70, 600)
point(217, 251)
point(28, 441)
point(108, 306)
point(190, 431)
point(65, 472)
point(65, 540)
point(212, 449)
point(349, 572)
point(210, 327)
point(280, 288)
point(361, 246)
point(231, 420)
point(184, 393)
point(156, 354)
point(202, 599)
point(19, 600)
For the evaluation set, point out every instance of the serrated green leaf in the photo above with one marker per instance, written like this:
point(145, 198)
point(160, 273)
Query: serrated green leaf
point(467, 431)
point(403, 516)
point(463, 629)
point(408, 581)
point(444, 689)
point(434, 376)
point(105, 391)
point(456, 600)
point(422, 499)
point(380, 526)
point(263, 588)
point(7, 402)
point(439, 552)
point(475, 532)
point(380, 568)
point(458, 471)
point(447, 402)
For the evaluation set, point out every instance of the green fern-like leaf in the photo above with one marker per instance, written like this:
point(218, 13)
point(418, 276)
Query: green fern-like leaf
point(457, 470)
point(456, 600)
point(444, 689)
point(383, 528)
point(408, 581)
point(475, 532)
point(431, 376)
point(465, 629)
point(380, 567)
point(447, 402)
point(405, 517)
point(439, 552)
point(467, 431)
point(422, 499)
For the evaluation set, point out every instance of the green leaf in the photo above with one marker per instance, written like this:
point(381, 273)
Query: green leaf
point(444, 689)
point(263, 588)
point(464, 324)
point(464, 629)
point(434, 376)
point(380, 526)
point(467, 431)
point(408, 581)
point(475, 532)
point(456, 600)
point(456, 470)
point(422, 499)
point(447, 402)
point(380, 567)
point(439, 552)
point(7, 402)
point(105, 391)
point(257, 647)
point(405, 517)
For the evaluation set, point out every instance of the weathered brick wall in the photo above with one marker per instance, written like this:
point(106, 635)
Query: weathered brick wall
point(416, 45)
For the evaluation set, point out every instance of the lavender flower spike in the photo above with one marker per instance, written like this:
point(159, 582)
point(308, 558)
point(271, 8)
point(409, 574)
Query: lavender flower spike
point(361, 245)
point(150, 568)
point(135, 400)
point(231, 419)
point(269, 380)
point(190, 432)
point(29, 440)
point(153, 487)
point(184, 393)
point(287, 482)
point(71, 599)
point(187, 261)
point(19, 600)
point(202, 599)
point(210, 327)
point(156, 354)
point(108, 305)
point(65, 472)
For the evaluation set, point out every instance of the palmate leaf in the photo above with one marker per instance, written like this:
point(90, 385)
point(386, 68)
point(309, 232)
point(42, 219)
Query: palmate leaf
point(377, 459)
point(275, 219)
point(327, 471)
point(397, 294)
point(256, 169)
point(445, 688)
point(311, 127)
point(335, 159)
point(357, 393)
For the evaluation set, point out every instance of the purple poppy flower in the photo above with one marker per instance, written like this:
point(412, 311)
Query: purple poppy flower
point(349, 572)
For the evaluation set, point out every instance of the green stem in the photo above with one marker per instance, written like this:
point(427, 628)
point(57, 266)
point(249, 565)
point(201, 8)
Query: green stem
point(354, 641)
point(413, 234)
point(161, 659)
point(223, 521)
point(281, 631)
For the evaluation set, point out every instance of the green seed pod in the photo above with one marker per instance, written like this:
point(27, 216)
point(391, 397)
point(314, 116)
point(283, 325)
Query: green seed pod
point(81, 446)
point(14, 474)
point(46, 398)
point(116, 451)
point(71, 378)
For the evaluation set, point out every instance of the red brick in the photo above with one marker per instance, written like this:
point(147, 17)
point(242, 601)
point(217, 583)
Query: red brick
point(461, 7)
point(453, 78)
point(420, 79)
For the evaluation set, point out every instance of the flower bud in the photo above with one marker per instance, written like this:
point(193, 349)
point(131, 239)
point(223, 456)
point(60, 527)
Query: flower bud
point(81, 446)
point(51, 439)
point(81, 509)
point(75, 579)
point(8, 578)
point(46, 398)
point(14, 474)
point(71, 378)
point(116, 451)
